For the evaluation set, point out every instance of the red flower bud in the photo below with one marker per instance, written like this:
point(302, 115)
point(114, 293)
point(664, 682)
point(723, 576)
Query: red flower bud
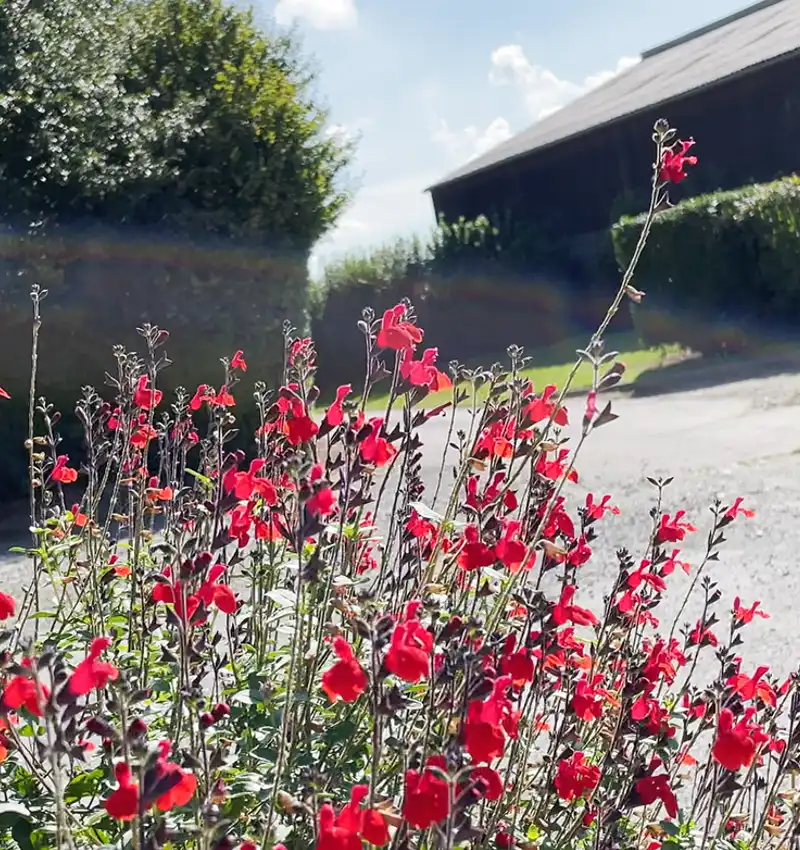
point(137, 729)
point(207, 719)
point(220, 710)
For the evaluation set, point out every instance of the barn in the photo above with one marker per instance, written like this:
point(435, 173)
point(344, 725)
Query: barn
point(734, 85)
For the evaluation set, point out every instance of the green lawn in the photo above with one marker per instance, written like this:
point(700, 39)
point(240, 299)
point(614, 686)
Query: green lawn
point(552, 365)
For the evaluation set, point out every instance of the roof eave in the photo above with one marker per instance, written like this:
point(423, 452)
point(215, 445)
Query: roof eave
point(589, 130)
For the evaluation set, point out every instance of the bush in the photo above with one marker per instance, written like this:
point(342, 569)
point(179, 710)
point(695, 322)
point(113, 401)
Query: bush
point(718, 266)
point(179, 114)
point(216, 653)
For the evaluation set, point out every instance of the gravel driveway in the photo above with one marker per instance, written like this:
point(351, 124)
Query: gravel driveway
point(738, 439)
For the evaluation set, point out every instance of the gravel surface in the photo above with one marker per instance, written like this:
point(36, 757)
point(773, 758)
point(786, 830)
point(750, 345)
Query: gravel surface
point(738, 439)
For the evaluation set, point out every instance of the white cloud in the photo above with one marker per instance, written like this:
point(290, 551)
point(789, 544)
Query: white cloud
point(321, 14)
point(471, 142)
point(544, 92)
point(400, 207)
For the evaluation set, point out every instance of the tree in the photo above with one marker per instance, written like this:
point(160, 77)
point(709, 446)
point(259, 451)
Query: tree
point(176, 114)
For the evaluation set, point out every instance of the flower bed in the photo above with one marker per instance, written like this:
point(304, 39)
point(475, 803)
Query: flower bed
point(308, 648)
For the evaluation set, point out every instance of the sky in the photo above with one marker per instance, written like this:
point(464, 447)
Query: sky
point(425, 85)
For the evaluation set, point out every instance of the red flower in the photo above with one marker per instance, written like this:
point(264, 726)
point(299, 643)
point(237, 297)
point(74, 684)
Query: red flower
point(4, 394)
point(224, 398)
point(510, 550)
point(409, 654)
point(496, 439)
point(346, 830)
point(488, 723)
point(123, 802)
point(736, 509)
point(643, 575)
point(519, 666)
point(145, 397)
point(335, 414)
point(248, 485)
point(663, 661)
point(580, 553)
point(427, 795)
point(346, 680)
point(396, 333)
point(503, 840)
point(142, 435)
point(554, 469)
point(62, 473)
point(652, 788)
point(375, 449)
point(7, 606)
point(597, 510)
point(575, 777)
point(213, 592)
point(173, 593)
point(181, 792)
point(673, 530)
point(92, 673)
point(701, 636)
point(487, 782)
point(544, 407)
point(300, 427)
point(203, 394)
point(181, 784)
point(423, 372)
point(323, 502)
point(588, 700)
point(474, 553)
point(735, 746)
point(24, 692)
point(674, 162)
point(238, 361)
point(80, 520)
point(565, 612)
point(750, 687)
point(591, 407)
point(649, 712)
point(302, 349)
point(747, 615)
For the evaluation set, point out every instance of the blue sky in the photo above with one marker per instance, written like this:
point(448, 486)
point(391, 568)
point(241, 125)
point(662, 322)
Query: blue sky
point(426, 84)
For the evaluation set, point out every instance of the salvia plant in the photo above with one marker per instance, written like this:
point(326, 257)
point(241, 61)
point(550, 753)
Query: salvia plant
point(313, 646)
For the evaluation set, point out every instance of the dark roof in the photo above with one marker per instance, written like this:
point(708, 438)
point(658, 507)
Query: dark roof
point(755, 35)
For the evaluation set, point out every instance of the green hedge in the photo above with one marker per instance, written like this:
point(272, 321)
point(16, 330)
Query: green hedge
point(212, 298)
point(718, 267)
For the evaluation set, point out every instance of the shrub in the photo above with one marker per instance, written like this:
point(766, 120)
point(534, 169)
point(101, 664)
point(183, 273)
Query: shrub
point(717, 265)
point(179, 114)
point(216, 653)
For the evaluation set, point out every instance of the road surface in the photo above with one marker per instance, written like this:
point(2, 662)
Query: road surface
point(738, 439)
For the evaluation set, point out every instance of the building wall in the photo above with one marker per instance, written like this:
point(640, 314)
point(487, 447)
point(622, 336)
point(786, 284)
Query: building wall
point(747, 130)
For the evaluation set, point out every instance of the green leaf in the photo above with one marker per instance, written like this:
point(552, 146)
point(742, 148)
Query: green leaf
point(204, 480)
point(16, 818)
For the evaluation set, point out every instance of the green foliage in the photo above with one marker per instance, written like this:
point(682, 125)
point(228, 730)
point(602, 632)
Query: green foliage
point(718, 262)
point(175, 113)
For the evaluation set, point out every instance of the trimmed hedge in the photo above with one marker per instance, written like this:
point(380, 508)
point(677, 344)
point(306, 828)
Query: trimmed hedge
point(718, 266)
point(212, 298)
